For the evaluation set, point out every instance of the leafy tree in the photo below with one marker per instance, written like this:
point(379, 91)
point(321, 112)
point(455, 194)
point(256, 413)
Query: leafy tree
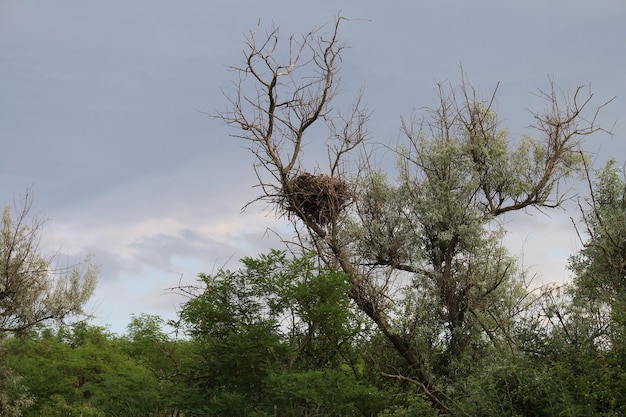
point(147, 343)
point(33, 289)
point(600, 267)
point(422, 253)
point(58, 407)
point(83, 371)
point(550, 375)
point(570, 347)
point(14, 396)
point(170, 359)
point(596, 325)
point(276, 337)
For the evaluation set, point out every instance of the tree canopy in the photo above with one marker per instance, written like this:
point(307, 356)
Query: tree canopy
point(422, 252)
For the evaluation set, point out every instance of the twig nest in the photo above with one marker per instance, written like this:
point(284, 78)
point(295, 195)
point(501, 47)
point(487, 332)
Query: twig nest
point(319, 197)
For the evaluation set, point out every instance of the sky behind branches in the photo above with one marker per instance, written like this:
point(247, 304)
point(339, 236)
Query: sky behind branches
point(103, 114)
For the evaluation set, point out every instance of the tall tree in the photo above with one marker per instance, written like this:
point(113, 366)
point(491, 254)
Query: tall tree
point(571, 348)
point(34, 288)
point(599, 287)
point(432, 235)
point(600, 267)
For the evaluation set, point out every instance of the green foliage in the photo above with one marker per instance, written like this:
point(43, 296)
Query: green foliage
point(574, 383)
point(514, 387)
point(286, 300)
point(34, 289)
point(14, 395)
point(323, 392)
point(58, 407)
point(436, 223)
point(147, 343)
point(600, 267)
point(82, 371)
point(414, 406)
point(276, 337)
point(433, 235)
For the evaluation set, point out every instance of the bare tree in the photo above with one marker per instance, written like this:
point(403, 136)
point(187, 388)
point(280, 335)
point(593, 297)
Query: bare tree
point(32, 288)
point(458, 172)
point(286, 98)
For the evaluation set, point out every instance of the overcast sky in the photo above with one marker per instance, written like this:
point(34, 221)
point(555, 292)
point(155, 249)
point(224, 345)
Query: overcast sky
point(101, 113)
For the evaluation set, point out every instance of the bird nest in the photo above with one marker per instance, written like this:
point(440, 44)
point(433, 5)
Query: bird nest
point(318, 197)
